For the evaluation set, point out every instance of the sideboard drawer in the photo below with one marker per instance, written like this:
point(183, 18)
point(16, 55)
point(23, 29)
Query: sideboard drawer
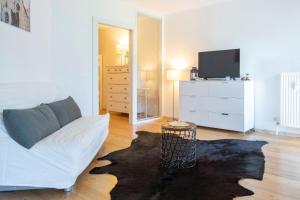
point(226, 105)
point(118, 107)
point(193, 88)
point(117, 70)
point(118, 78)
point(226, 89)
point(117, 97)
point(188, 102)
point(118, 88)
point(195, 103)
point(227, 121)
point(203, 104)
point(195, 116)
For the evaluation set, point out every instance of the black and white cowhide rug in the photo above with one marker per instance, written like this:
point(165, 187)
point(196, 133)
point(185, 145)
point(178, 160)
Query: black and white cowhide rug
point(220, 165)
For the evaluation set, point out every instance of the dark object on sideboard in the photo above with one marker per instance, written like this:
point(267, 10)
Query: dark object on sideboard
point(194, 74)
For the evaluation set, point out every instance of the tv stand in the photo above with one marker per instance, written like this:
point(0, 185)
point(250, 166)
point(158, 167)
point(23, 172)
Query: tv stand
point(225, 105)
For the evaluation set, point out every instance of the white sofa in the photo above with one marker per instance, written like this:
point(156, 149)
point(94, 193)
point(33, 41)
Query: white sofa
point(57, 160)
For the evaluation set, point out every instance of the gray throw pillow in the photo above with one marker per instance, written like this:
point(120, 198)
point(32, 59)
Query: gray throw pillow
point(66, 111)
point(29, 126)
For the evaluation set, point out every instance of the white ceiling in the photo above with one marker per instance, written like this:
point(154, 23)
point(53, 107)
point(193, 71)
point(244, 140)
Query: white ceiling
point(171, 6)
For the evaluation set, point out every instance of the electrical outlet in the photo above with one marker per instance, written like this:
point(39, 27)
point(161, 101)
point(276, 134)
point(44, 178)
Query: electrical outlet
point(276, 120)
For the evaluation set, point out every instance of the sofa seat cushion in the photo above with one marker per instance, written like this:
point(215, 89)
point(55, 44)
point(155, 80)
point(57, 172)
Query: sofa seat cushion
point(72, 147)
point(29, 126)
point(65, 110)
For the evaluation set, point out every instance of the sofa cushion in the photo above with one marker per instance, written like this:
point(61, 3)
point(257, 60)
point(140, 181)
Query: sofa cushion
point(29, 126)
point(72, 147)
point(66, 111)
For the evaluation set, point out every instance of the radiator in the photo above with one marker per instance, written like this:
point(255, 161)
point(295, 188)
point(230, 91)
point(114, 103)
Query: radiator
point(290, 100)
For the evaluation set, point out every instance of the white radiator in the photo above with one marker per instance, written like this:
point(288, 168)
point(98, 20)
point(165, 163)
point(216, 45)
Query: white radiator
point(290, 100)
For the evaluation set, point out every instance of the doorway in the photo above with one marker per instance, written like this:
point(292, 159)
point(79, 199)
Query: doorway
point(114, 70)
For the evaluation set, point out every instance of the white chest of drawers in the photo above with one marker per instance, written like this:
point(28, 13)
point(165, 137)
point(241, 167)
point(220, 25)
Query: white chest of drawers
point(117, 78)
point(225, 105)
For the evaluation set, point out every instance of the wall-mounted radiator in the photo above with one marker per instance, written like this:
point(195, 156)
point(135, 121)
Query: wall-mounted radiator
point(290, 100)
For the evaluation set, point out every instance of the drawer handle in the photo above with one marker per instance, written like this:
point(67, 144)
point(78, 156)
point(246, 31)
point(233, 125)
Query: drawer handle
point(125, 78)
point(125, 106)
point(125, 97)
point(224, 98)
point(110, 78)
point(111, 88)
point(225, 114)
point(125, 88)
point(193, 96)
point(193, 111)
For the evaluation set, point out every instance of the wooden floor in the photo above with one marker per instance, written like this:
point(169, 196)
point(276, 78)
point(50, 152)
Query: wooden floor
point(281, 179)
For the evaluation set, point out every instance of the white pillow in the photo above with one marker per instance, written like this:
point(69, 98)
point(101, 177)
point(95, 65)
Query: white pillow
point(3, 131)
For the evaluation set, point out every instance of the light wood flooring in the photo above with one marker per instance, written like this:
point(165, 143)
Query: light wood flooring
point(281, 178)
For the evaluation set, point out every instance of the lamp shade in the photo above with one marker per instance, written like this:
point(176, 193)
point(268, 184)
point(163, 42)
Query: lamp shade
point(122, 48)
point(173, 75)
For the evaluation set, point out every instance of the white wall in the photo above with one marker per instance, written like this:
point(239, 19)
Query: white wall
point(73, 42)
point(267, 31)
point(26, 56)
point(59, 47)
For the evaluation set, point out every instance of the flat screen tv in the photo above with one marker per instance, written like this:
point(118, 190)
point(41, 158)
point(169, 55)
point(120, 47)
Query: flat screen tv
point(219, 64)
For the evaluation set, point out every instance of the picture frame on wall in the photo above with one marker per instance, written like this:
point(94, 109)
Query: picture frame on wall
point(16, 13)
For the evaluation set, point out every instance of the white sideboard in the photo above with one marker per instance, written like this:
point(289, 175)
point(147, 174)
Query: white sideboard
point(225, 105)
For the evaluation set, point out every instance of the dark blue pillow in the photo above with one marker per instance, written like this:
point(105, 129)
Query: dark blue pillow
point(66, 111)
point(29, 126)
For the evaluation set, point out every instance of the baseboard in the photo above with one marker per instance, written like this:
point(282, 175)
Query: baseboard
point(280, 133)
point(146, 121)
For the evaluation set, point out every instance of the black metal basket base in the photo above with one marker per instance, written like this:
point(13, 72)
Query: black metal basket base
point(178, 148)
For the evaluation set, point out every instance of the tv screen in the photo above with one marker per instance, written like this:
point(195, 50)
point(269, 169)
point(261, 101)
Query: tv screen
point(219, 64)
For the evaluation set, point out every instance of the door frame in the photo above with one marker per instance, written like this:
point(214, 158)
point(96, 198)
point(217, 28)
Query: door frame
point(132, 65)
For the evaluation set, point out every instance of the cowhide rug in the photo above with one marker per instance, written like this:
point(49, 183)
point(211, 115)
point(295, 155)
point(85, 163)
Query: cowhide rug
point(220, 165)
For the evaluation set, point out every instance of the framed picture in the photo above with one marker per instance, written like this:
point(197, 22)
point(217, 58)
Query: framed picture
point(16, 13)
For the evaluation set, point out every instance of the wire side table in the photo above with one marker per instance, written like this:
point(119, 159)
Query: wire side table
point(178, 149)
